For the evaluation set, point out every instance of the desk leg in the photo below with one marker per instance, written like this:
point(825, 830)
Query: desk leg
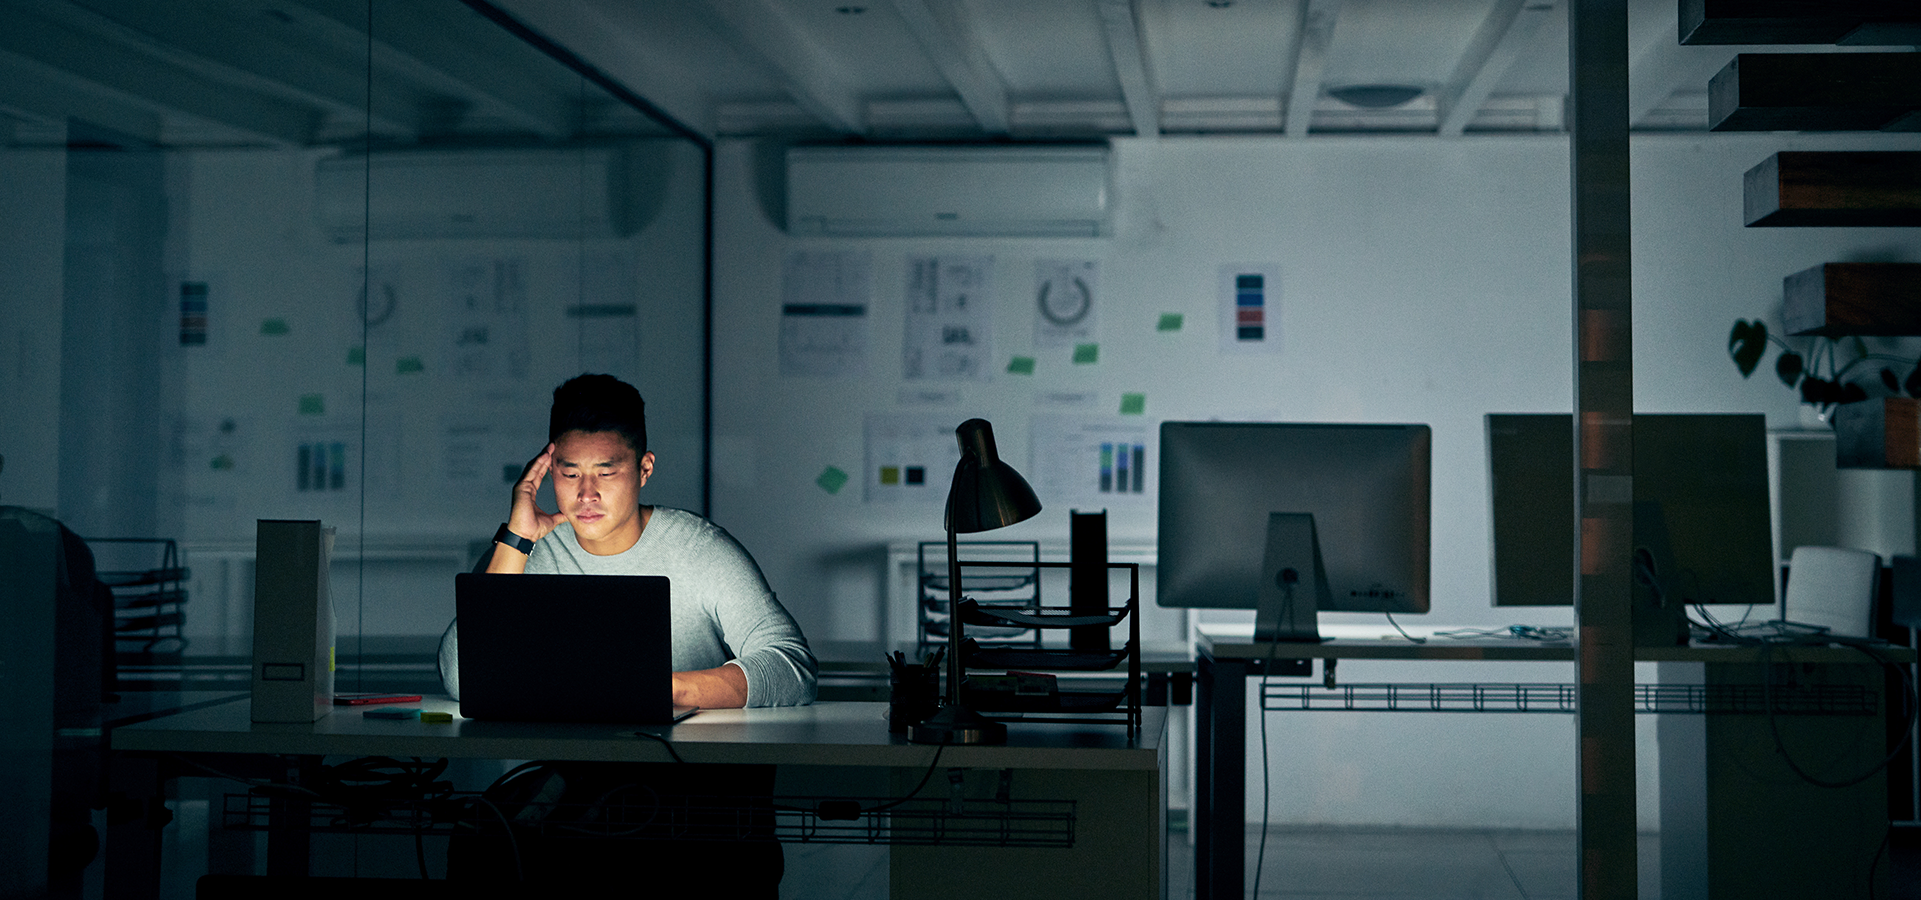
point(1220, 777)
point(135, 816)
point(288, 823)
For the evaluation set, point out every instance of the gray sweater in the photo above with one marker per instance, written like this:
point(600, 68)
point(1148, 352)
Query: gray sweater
point(723, 611)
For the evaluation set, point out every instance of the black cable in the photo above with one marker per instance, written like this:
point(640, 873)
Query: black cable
point(664, 743)
point(849, 809)
point(931, 766)
point(1403, 631)
point(1912, 708)
point(1267, 761)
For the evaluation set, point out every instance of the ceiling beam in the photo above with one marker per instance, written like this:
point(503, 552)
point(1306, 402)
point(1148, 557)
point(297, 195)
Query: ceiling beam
point(50, 95)
point(432, 58)
point(219, 49)
point(611, 49)
point(1310, 63)
point(159, 84)
point(1121, 22)
point(1665, 66)
point(1506, 32)
point(765, 38)
point(946, 33)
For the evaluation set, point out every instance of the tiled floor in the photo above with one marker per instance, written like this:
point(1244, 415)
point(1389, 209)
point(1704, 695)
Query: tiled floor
point(1311, 864)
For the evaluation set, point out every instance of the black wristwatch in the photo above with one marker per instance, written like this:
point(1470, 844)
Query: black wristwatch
point(505, 536)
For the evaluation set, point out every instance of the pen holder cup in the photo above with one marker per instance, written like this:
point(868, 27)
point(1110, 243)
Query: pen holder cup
point(913, 694)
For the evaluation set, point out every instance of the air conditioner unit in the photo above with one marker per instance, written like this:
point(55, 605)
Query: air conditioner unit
point(490, 193)
point(947, 191)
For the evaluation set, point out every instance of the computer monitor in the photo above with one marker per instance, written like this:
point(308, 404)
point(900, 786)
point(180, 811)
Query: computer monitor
point(1366, 486)
point(1701, 524)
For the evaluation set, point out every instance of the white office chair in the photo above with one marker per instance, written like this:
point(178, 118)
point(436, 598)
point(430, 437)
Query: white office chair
point(1832, 587)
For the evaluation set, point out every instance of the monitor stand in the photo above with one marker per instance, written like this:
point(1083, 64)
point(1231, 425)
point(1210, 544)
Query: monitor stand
point(1293, 582)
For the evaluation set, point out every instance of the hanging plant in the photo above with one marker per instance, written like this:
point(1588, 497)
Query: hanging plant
point(1819, 375)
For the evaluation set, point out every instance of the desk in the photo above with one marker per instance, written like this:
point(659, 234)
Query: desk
point(1724, 821)
point(1118, 785)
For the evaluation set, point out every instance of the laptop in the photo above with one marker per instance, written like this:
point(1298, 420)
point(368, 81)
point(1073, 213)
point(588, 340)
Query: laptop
point(566, 648)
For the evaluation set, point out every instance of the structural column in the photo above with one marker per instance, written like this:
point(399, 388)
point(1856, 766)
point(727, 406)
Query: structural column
point(1603, 446)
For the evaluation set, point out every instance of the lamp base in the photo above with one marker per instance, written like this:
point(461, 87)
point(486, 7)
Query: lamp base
point(957, 725)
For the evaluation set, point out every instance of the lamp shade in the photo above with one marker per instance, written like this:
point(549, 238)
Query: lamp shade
point(987, 493)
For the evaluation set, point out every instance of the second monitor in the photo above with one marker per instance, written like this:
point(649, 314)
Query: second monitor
point(1701, 522)
point(1365, 486)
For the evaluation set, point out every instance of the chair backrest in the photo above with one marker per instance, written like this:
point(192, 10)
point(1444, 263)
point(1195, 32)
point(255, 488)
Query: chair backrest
point(1832, 587)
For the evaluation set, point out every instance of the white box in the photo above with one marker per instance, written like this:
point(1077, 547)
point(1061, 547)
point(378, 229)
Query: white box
point(293, 622)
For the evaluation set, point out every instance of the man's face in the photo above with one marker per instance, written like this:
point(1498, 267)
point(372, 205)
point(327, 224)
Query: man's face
point(597, 481)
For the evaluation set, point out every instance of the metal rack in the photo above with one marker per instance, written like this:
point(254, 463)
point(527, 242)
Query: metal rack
point(1040, 699)
point(1013, 585)
point(149, 595)
point(1804, 700)
point(817, 820)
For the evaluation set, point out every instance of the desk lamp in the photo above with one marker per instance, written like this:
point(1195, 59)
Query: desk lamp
point(986, 494)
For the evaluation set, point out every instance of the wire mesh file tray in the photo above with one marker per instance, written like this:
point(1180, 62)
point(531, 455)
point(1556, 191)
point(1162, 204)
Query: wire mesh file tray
point(1013, 585)
point(149, 598)
point(1023, 685)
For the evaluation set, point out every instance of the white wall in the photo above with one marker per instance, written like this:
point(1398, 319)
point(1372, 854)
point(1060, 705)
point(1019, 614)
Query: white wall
point(33, 194)
point(437, 439)
point(1421, 280)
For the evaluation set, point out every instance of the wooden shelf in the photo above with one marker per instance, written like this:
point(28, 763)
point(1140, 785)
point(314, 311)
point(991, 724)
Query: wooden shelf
point(1883, 433)
point(1841, 299)
point(1850, 188)
point(1817, 92)
point(1845, 22)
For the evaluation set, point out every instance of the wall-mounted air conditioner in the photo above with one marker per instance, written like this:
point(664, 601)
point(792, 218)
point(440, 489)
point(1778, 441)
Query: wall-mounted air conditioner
point(975, 191)
point(571, 192)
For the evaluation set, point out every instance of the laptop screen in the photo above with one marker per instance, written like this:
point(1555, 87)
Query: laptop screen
point(565, 648)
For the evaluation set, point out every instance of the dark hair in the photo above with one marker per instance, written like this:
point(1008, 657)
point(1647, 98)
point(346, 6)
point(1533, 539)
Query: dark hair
point(599, 403)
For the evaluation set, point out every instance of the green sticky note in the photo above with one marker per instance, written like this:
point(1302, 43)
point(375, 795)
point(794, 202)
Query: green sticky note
point(407, 364)
point(274, 326)
point(1133, 404)
point(831, 480)
point(1169, 322)
point(1087, 354)
point(1020, 365)
point(313, 404)
point(356, 356)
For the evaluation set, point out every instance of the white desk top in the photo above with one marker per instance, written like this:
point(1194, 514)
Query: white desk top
point(827, 733)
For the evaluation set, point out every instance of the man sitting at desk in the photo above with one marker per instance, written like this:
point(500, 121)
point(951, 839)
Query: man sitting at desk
point(733, 643)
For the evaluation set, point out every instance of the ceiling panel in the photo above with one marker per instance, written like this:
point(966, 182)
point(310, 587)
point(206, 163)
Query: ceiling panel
point(292, 72)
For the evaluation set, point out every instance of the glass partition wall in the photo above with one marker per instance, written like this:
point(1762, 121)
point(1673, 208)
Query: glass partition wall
point(327, 259)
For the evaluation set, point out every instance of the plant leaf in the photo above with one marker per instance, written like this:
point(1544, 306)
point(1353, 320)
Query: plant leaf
point(1746, 343)
point(1889, 380)
point(1851, 393)
point(1790, 368)
point(1818, 391)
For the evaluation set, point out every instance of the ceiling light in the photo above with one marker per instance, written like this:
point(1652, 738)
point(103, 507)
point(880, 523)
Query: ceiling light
point(1376, 96)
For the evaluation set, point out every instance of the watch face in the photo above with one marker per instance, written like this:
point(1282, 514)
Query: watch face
point(1065, 300)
